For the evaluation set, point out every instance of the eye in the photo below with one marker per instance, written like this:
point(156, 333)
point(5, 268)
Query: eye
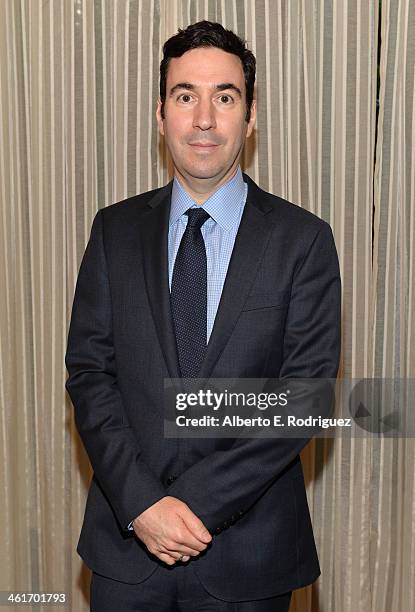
point(183, 96)
point(226, 97)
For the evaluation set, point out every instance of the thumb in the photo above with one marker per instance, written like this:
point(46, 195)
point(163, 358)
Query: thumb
point(195, 525)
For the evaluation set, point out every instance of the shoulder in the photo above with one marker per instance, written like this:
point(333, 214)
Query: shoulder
point(293, 222)
point(132, 206)
point(281, 208)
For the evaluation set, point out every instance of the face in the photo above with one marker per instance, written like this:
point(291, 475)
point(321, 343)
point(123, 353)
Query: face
point(204, 125)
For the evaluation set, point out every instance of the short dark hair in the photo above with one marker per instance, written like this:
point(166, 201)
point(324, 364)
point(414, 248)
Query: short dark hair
point(209, 34)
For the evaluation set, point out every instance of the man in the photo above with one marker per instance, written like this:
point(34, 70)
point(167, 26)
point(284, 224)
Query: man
point(209, 276)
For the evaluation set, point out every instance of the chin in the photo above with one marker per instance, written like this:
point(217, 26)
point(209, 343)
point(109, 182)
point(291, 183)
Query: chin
point(203, 172)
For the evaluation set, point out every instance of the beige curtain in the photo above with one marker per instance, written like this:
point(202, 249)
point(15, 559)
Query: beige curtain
point(78, 86)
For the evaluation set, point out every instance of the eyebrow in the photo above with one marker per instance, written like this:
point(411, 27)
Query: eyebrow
point(220, 87)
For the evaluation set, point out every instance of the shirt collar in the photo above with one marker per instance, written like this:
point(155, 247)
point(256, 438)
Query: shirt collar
point(223, 205)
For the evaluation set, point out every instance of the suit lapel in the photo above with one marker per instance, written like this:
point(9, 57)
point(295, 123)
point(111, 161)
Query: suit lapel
point(251, 241)
point(154, 238)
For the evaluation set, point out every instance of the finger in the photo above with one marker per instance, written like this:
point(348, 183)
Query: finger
point(195, 526)
point(168, 559)
point(175, 556)
point(185, 539)
point(176, 549)
point(179, 556)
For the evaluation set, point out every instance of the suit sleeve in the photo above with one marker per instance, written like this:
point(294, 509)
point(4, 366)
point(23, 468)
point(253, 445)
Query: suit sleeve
point(227, 483)
point(100, 418)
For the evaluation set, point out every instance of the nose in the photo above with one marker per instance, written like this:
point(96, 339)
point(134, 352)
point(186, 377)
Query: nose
point(204, 115)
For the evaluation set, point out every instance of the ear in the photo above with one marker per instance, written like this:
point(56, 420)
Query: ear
point(252, 119)
point(159, 118)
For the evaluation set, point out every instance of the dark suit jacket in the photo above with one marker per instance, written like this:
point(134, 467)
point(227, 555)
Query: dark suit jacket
point(279, 316)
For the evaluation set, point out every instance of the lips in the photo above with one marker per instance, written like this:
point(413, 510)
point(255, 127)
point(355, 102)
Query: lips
point(203, 145)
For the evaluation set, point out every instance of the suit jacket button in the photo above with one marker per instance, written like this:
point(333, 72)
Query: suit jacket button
point(171, 479)
point(240, 512)
point(218, 529)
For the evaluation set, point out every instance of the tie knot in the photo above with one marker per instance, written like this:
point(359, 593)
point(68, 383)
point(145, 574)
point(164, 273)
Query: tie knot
point(197, 217)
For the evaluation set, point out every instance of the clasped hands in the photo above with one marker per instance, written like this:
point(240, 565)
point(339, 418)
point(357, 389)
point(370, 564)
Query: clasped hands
point(171, 531)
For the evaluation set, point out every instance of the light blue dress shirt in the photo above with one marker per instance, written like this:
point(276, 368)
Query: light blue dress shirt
point(225, 208)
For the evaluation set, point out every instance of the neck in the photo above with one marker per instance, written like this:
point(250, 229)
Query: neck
point(200, 190)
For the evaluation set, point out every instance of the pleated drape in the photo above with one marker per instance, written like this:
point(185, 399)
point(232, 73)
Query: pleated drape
point(335, 134)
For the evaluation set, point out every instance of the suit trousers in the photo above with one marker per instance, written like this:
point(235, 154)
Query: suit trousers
point(171, 589)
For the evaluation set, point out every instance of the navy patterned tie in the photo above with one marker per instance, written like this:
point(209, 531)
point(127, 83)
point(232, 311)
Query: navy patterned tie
point(189, 295)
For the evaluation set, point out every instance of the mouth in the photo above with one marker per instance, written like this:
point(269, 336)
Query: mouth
point(204, 146)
